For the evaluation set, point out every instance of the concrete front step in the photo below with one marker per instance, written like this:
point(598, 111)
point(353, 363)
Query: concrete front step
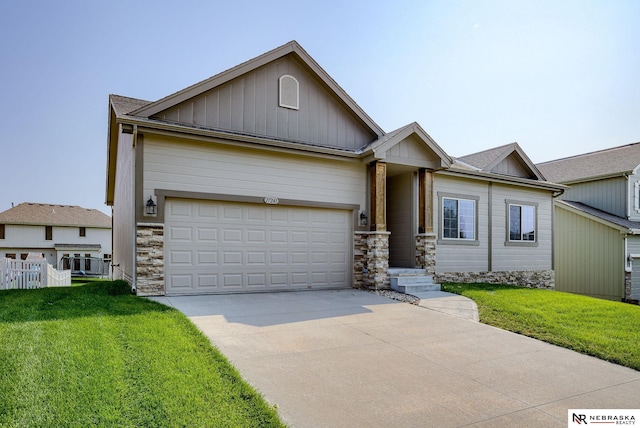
point(415, 288)
point(411, 280)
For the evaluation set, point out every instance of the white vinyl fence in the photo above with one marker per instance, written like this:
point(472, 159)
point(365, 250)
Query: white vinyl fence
point(31, 274)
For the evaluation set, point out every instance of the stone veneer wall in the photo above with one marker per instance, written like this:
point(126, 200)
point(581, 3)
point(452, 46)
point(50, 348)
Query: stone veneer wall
point(150, 259)
point(371, 260)
point(426, 252)
point(528, 278)
point(631, 293)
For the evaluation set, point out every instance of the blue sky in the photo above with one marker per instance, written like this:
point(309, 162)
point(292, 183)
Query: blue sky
point(559, 77)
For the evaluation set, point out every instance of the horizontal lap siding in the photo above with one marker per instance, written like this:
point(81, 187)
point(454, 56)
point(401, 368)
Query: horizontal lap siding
point(123, 208)
point(508, 257)
point(212, 168)
point(462, 258)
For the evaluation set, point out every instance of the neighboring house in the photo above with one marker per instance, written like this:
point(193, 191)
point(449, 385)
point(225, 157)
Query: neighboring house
point(268, 176)
point(55, 231)
point(597, 235)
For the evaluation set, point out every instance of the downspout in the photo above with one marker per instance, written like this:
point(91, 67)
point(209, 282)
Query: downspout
point(554, 195)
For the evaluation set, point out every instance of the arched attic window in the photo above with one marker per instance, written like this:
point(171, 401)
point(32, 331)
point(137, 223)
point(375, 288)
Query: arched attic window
point(289, 92)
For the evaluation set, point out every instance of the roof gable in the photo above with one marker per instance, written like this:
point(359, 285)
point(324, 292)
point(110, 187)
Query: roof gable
point(245, 99)
point(585, 167)
point(250, 104)
point(55, 215)
point(409, 145)
point(508, 160)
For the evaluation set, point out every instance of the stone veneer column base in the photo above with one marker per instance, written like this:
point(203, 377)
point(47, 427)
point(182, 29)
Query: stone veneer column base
point(150, 259)
point(371, 260)
point(426, 252)
point(529, 278)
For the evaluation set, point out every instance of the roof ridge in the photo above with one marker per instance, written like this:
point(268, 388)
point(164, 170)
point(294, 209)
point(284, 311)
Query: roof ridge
point(609, 149)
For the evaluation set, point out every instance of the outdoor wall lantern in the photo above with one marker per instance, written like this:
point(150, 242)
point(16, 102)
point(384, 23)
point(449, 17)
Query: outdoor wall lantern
point(363, 218)
point(150, 208)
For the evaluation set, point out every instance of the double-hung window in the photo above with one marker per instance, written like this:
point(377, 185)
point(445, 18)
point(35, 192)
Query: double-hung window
point(458, 219)
point(522, 222)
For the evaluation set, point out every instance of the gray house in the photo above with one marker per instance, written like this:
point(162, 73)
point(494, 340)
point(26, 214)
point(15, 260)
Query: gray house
point(268, 176)
point(597, 223)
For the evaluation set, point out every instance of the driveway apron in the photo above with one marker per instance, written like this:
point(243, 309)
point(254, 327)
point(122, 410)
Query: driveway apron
point(350, 358)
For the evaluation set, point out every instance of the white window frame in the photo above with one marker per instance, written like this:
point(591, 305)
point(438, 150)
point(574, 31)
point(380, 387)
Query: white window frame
point(521, 241)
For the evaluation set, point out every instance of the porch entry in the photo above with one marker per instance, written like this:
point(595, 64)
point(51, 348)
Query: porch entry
point(402, 212)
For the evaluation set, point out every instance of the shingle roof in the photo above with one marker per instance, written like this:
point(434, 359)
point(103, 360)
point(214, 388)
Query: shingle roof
point(613, 161)
point(125, 105)
point(55, 215)
point(485, 158)
point(623, 222)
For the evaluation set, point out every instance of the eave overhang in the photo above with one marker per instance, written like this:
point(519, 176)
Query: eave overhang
point(505, 179)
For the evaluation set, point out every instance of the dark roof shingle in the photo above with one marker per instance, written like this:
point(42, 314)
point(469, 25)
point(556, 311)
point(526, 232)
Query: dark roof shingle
point(613, 161)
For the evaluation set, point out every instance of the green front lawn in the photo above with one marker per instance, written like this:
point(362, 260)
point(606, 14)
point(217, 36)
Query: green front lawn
point(605, 329)
point(94, 355)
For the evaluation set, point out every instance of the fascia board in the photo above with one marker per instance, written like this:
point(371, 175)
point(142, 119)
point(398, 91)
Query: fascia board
point(380, 150)
point(596, 178)
point(523, 156)
point(152, 127)
point(479, 175)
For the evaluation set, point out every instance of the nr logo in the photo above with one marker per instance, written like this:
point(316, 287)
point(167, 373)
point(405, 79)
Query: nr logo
point(580, 419)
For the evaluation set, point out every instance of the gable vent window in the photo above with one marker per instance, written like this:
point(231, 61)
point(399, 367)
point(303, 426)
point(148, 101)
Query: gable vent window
point(289, 92)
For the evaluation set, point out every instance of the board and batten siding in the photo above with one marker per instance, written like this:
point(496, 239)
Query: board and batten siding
point(250, 104)
point(461, 257)
point(589, 256)
point(608, 195)
point(521, 257)
point(181, 165)
point(124, 234)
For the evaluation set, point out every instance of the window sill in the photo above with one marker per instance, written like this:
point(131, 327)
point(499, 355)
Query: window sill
point(469, 242)
point(521, 243)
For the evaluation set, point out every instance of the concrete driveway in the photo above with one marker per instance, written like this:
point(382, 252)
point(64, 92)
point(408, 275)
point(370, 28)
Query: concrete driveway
point(350, 358)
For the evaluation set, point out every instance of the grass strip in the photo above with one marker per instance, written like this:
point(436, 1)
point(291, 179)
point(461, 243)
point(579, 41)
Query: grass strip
point(94, 355)
point(601, 328)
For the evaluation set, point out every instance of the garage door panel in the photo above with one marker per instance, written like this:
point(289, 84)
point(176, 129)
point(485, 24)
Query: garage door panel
point(278, 279)
point(217, 247)
point(277, 236)
point(231, 258)
point(207, 281)
point(207, 257)
point(256, 258)
point(230, 236)
point(180, 233)
point(181, 258)
point(183, 281)
point(232, 280)
point(207, 234)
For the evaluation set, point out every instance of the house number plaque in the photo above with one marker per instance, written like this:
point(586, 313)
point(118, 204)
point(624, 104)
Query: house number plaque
point(271, 201)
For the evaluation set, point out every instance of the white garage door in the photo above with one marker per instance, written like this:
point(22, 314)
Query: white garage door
point(218, 247)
